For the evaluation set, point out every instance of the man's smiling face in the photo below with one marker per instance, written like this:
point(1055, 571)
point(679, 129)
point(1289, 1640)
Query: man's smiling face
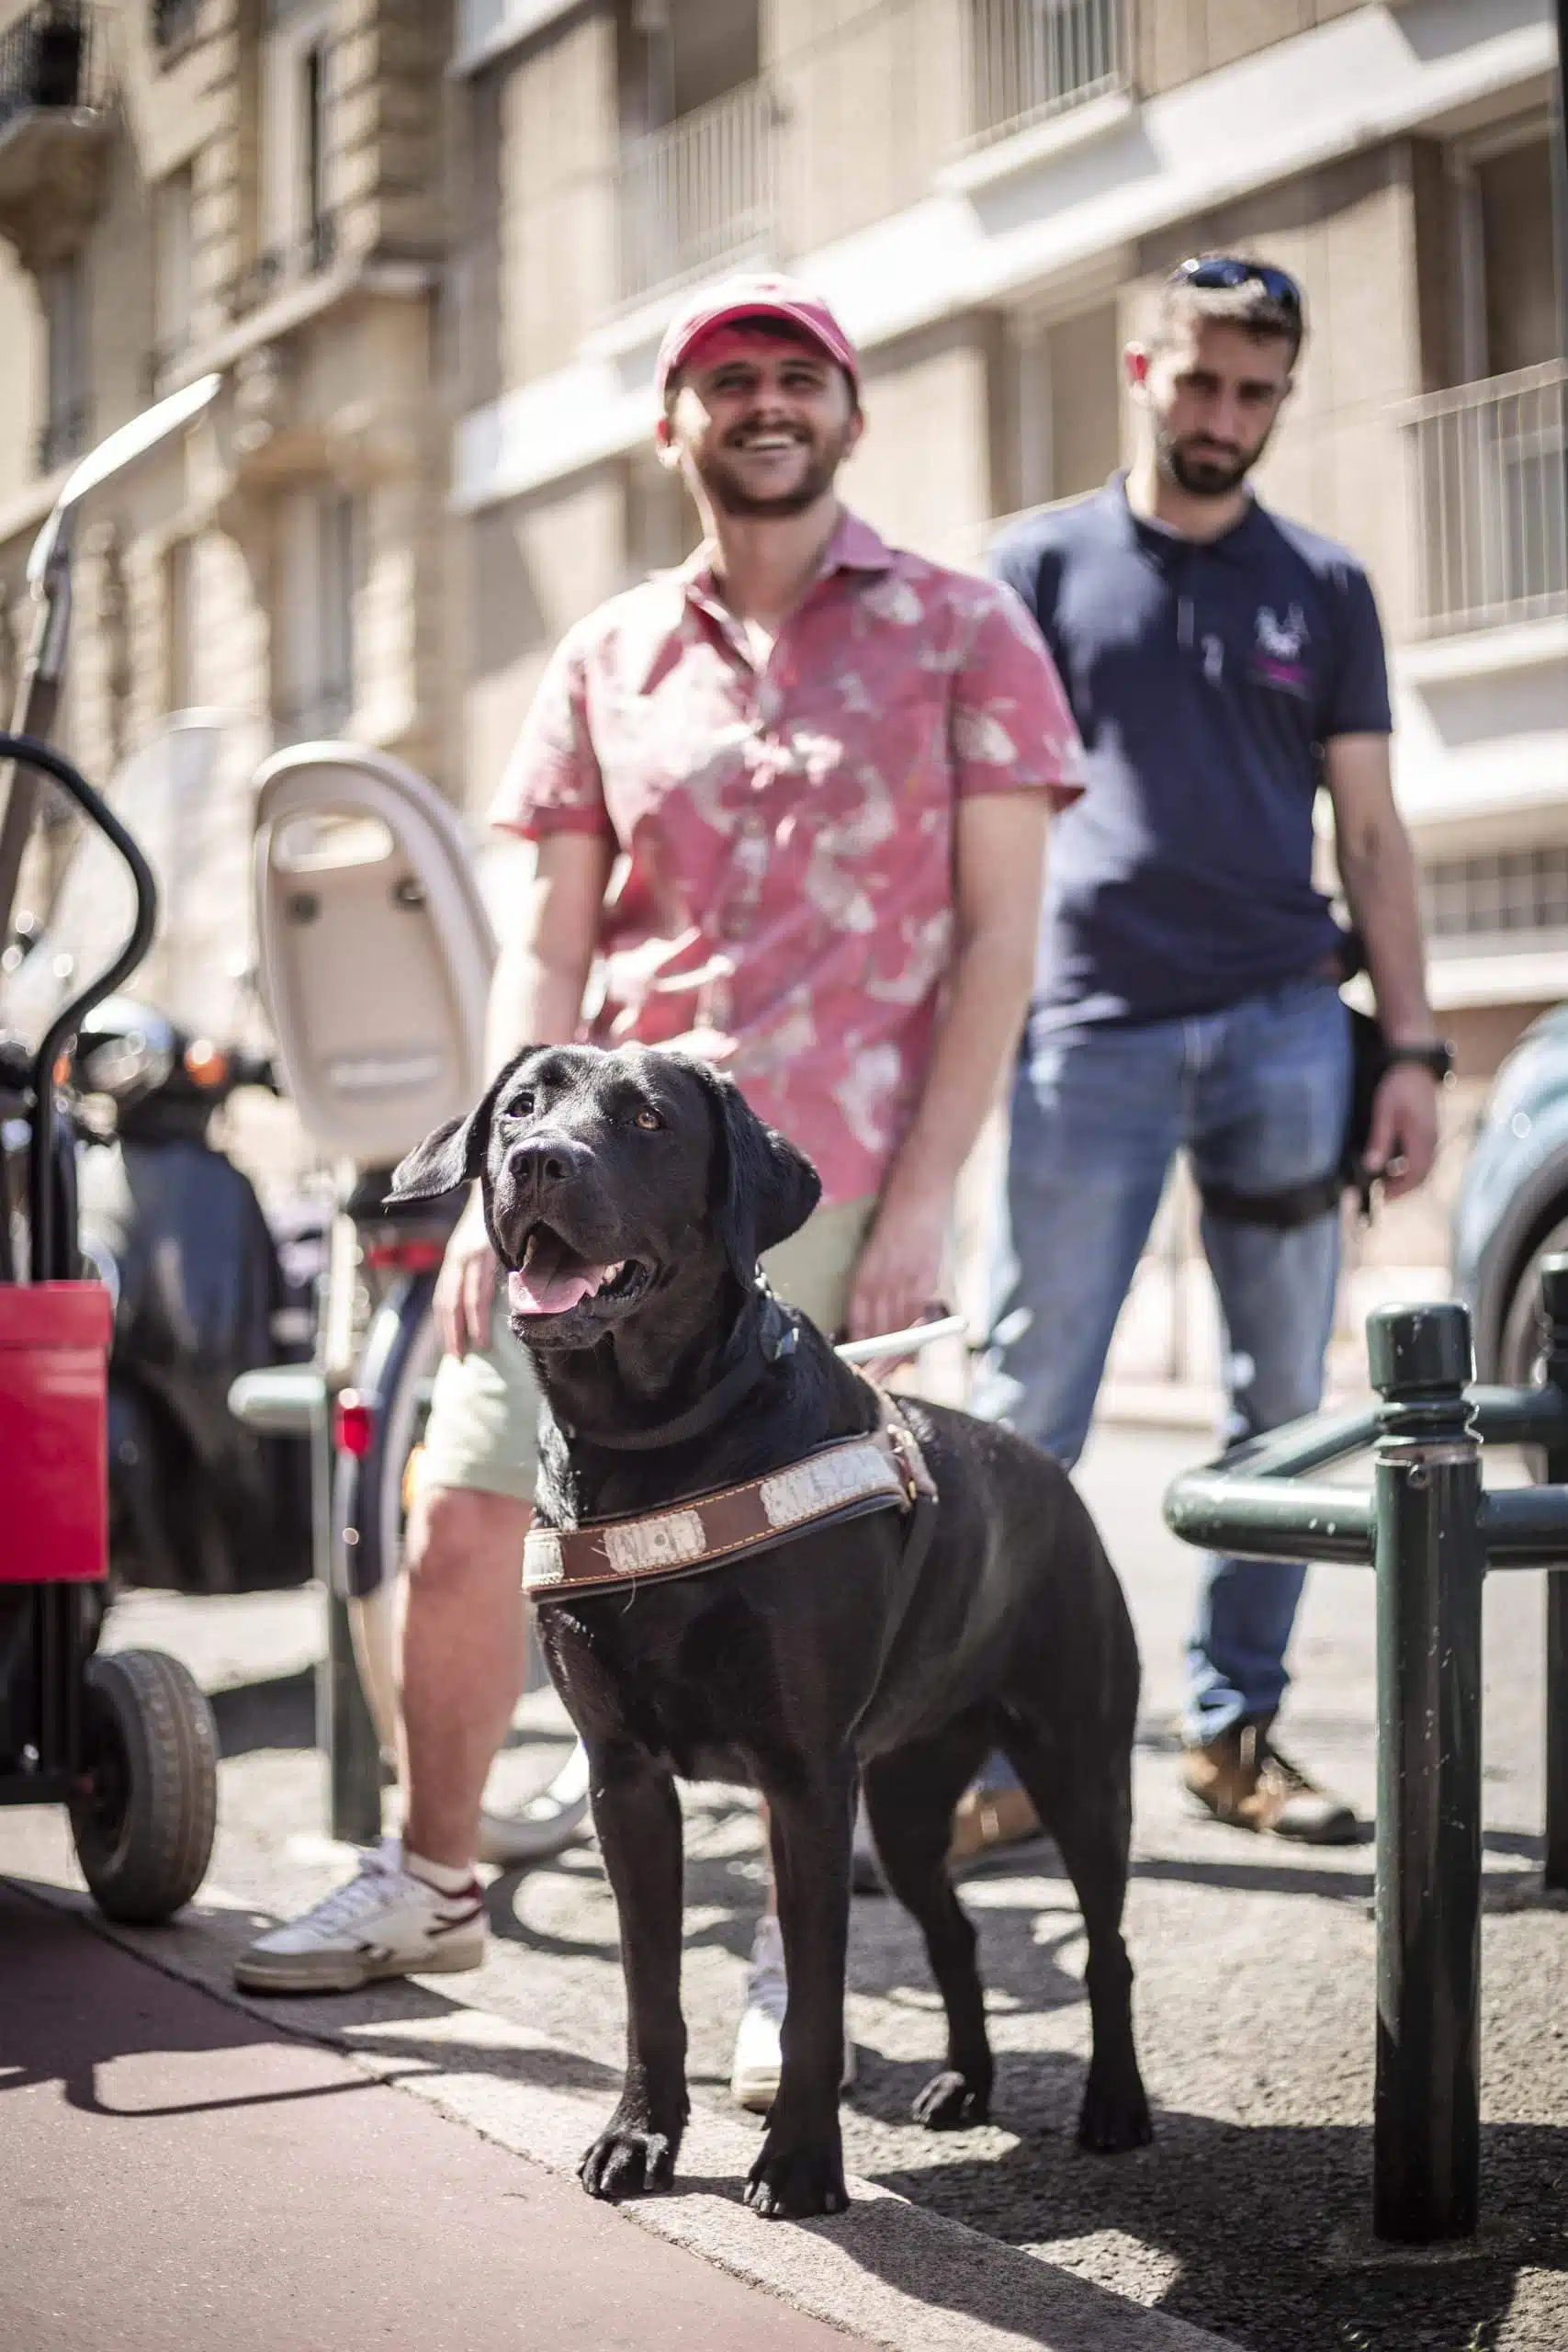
point(761, 421)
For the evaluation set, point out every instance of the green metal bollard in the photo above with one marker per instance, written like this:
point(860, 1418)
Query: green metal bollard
point(1554, 1309)
point(1430, 1561)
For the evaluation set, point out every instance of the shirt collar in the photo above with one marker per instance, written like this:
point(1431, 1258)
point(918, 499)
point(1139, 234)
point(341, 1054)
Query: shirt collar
point(1142, 531)
point(853, 546)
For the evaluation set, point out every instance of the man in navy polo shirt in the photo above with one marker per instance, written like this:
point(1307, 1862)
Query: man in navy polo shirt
point(1222, 664)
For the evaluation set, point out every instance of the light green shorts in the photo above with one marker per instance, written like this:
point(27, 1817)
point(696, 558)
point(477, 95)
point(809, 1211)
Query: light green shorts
point(484, 1411)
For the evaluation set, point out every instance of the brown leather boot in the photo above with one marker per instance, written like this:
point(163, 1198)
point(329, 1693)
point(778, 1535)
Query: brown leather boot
point(1242, 1778)
point(985, 1819)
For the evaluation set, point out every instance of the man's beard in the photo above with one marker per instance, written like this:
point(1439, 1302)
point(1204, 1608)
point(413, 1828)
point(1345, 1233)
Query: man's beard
point(1202, 477)
point(730, 496)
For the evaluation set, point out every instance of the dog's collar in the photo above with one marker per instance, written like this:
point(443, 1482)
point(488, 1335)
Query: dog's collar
point(771, 1335)
point(882, 1470)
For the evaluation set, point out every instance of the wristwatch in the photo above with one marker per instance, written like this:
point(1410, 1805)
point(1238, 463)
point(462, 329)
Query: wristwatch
point(1434, 1053)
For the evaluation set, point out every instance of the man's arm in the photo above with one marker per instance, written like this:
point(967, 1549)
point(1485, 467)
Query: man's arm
point(1377, 869)
point(535, 999)
point(998, 866)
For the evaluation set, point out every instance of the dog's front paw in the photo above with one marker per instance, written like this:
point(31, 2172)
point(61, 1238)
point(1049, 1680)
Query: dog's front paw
point(950, 2102)
point(792, 2183)
point(624, 2163)
point(1115, 2116)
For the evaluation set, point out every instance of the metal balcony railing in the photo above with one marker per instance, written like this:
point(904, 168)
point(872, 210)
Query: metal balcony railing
point(1031, 58)
point(53, 59)
point(699, 193)
point(315, 248)
point(1489, 483)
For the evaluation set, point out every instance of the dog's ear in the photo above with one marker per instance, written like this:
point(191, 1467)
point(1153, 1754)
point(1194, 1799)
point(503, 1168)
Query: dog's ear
point(453, 1154)
point(767, 1189)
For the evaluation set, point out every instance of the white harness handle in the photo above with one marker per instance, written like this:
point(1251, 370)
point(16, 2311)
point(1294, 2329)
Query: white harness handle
point(902, 1343)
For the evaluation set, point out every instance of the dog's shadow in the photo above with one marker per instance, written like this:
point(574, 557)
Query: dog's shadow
point(723, 1897)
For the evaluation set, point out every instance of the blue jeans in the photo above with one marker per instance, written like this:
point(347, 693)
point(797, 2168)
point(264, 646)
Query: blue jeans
point(1256, 1096)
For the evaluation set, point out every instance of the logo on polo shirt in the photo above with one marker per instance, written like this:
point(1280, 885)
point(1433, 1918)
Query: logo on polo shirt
point(1282, 640)
point(1278, 648)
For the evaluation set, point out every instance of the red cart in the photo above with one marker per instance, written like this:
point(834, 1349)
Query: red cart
point(124, 1739)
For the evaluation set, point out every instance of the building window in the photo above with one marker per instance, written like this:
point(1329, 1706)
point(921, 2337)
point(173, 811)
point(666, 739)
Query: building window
point(1497, 893)
point(1060, 414)
point(1032, 59)
point(321, 571)
point(172, 248)
point(298, 79)
point(173, 22)
point(313, 143)
point(65, 433)
point(697, 168)
point(180, 593)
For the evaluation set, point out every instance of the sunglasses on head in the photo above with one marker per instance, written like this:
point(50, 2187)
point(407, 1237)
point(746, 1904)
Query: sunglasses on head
point(1224, 270)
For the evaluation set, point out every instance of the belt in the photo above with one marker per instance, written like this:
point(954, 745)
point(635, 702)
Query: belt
point(882, 1470)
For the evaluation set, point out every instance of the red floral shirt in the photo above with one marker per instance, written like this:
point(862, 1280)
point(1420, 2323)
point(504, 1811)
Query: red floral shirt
point(784, 904)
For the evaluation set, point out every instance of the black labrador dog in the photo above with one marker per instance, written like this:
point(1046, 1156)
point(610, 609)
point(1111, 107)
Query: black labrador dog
point(630, 1193)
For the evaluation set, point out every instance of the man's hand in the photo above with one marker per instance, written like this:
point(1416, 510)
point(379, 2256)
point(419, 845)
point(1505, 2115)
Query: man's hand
point(465, 1288)
point(900, 1267)
point(1402, 1142)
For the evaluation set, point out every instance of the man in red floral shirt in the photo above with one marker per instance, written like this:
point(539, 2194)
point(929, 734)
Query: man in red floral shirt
point(790, 804)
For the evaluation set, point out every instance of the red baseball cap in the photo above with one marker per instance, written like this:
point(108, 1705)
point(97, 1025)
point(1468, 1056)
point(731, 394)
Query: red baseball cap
point(749, 297)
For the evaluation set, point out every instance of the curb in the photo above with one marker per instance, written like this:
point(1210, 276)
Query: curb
point(887, 2272)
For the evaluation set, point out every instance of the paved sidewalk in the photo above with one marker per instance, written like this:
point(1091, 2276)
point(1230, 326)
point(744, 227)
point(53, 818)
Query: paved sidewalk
point(172, 2172)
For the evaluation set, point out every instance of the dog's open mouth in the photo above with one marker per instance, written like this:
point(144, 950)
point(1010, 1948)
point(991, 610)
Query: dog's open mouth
point(554, 1278)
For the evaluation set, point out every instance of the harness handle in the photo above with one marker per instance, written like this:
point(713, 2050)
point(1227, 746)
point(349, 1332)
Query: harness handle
point(902, 1343)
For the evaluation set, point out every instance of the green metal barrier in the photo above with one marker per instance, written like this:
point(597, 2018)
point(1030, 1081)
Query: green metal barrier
point(1430, 1531)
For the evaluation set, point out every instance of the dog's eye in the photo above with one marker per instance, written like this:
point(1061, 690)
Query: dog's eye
point(648, 1119)
point(521, 1108)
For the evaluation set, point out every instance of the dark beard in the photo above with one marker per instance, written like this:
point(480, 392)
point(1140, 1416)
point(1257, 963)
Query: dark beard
point(1202, 477)
point(730, 499)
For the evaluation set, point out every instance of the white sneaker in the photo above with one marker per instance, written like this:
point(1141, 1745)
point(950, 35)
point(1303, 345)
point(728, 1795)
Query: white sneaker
point(758, 2063)
point(383, 1923)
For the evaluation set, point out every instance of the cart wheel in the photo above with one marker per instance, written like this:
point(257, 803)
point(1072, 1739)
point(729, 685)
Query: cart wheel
point(144, 1828)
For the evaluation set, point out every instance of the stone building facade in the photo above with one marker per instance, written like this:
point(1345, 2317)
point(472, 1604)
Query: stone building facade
point(431, 248)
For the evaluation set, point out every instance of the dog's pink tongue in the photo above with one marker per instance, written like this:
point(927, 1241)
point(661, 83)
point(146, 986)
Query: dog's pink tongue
point(546, 1286)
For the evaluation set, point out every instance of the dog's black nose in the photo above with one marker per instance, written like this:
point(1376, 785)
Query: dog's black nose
point(542, 1162)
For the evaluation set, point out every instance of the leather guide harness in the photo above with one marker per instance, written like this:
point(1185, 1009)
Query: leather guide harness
point(881, 1470)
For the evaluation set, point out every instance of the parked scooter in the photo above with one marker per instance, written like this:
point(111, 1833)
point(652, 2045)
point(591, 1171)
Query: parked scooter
point(198, 1503)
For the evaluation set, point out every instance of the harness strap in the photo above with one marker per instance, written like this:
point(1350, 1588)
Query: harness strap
point(882, 1470)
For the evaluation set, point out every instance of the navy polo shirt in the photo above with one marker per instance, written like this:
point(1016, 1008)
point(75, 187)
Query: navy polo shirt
point(1205, 678)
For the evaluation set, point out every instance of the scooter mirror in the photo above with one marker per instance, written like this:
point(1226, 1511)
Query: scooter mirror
point(119, 449)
